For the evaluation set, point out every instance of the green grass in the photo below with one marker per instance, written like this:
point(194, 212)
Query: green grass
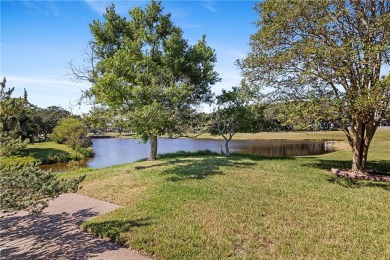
point(205, 206)
point(46, 152)
point(42, 151)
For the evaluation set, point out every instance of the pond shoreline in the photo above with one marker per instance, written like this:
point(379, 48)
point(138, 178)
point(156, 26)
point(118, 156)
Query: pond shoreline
point(115, 151)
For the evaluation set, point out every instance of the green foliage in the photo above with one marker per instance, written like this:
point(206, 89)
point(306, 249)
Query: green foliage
point(85, 152)
point(11, 110)
point(146, 68)
point(98, 118)
point(72, 132)
point(47, 118)
point(26, 187)
point(10, 144)
point(330, 49)
point(235, 114)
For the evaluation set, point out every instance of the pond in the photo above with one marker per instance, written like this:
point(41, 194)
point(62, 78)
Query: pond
point(114, 151)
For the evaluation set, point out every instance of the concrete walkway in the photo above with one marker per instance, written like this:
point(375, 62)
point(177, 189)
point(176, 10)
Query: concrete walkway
point(55, 233)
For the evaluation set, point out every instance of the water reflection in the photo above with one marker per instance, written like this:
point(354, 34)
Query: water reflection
point(113, 151)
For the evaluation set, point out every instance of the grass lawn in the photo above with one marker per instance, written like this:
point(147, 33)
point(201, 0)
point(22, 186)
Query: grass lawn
point(42, 152)
point(246, 207)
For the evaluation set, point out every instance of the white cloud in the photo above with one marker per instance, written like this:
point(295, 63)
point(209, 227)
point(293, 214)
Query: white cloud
point(48, 8)
point(209, 5)
point(50, 91)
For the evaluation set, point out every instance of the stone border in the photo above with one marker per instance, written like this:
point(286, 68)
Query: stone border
point(370, 176)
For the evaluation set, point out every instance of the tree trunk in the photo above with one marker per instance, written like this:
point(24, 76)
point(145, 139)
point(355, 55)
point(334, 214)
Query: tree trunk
point(227, 140)
point(153, 148)
point(360, 145)
point(227, 147)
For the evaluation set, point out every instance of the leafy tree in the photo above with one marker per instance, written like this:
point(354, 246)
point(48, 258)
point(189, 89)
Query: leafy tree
point(144, 68)
point(29, 127)
point(72, 132)
point(98, 118)
point(336, 48)
point(235, 115)
point(47, 118)
point(120, 123)
point(26, 187)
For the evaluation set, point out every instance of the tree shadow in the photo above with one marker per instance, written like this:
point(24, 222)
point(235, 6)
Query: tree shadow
point(322, 164)
point(51, 236)
point(207, 166)
point(379, 166)
point(113, 228)
point(353, 183)
point(46, 155)
point(201, 164)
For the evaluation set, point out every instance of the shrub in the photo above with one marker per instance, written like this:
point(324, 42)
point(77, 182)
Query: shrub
point(72, 132)
point(10, 144)
point(26, 187)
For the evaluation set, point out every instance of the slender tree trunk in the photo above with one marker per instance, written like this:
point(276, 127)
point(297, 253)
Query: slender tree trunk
point(227, 147)
point(227, 140)
point(153, 148)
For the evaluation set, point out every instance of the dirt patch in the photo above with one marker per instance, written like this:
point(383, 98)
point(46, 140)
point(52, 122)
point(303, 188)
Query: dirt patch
point(369, 176)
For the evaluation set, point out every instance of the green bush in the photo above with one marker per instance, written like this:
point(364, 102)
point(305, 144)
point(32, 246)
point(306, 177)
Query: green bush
point(72, 132)
point(85, 152)
point(57, 157)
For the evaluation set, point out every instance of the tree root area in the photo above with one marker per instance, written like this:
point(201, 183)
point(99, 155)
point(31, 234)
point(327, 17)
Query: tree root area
point(368, 176)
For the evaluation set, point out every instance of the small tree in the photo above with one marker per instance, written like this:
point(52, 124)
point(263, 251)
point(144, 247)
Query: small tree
point(235, 115)
point(72, 132)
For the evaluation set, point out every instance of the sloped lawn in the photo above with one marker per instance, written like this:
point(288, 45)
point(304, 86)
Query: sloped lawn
point(205, 206)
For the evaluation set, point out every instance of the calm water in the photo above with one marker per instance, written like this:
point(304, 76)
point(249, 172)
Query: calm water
point(113, 151)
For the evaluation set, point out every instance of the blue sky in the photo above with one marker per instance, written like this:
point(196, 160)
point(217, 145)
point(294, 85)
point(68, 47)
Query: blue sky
point(40, 38)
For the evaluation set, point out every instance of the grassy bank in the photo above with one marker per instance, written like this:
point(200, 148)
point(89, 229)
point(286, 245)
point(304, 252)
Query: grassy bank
point(45, 153)
point(211, 207)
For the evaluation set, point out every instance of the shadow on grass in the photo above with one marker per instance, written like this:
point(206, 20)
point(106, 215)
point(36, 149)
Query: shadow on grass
point(206, 164)
point(346, 164)
point(201, 164)
point(353, 183)
point(113, 228)
point(46, 155)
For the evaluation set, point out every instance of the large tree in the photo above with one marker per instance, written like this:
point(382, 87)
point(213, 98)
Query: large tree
point(144, 68)
point(335, 48)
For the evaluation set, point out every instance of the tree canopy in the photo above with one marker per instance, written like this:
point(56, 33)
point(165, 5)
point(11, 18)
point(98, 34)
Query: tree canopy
point(236, 114)
point(144, 68)
point(334, 50)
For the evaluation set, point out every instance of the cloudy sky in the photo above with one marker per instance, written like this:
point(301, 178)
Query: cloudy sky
point(40, 38)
